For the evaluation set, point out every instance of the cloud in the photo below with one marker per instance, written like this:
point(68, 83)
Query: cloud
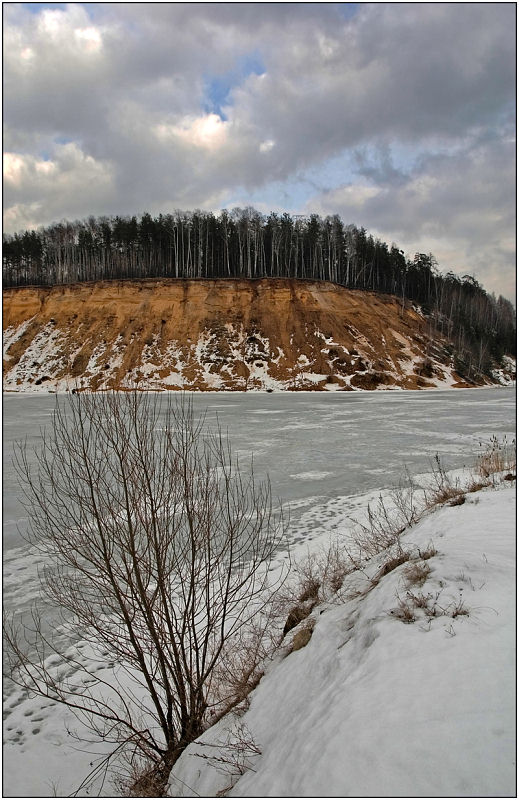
point(191, 105)
point(460, 206)
point(41, 189)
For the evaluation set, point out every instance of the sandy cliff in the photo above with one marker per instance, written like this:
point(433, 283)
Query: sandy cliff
point(216, 334)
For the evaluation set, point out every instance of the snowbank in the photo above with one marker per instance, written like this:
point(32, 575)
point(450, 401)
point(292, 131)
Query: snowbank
point(376, 706)
point(371, 706)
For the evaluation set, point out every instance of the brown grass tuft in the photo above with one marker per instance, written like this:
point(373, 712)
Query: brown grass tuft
point(416, 573)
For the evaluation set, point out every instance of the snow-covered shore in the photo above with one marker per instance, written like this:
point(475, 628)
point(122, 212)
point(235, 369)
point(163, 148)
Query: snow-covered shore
point(377, 706)
point(373, 705)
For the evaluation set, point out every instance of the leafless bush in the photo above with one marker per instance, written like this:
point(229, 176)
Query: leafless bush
point(241, 665)
point(441, 489)
point(497, 456)
point(320, 575)
point(316, 578)
point(157, 547)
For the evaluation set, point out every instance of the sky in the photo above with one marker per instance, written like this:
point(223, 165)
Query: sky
point(398, 117)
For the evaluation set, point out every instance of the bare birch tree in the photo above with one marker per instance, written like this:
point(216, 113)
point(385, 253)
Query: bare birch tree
point(158, 549)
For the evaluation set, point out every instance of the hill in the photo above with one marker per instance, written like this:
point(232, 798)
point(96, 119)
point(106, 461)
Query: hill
point(234, 334)
point(245, 244)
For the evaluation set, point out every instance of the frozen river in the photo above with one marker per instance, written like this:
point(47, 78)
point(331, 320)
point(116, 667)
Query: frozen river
point(320, 451)
point(313, 446)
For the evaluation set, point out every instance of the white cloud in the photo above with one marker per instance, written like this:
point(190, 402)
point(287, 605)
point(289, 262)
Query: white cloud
point(41, 189)
point(266, 146)
point(208, 131)
point(127, 86)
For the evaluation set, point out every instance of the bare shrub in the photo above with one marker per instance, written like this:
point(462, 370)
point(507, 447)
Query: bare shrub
point(442, 489)
point(241, 665)
point(497, 456)
point(157, 549)
point(316, 578)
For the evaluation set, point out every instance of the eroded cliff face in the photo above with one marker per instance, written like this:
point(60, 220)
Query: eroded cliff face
point(217, 335)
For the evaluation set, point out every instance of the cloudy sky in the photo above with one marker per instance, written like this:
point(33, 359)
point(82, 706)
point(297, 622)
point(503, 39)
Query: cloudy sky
point(397, 117)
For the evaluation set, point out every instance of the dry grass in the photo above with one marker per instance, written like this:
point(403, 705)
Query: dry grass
point(417, 605)
point(477, 485)
point(320, 578)
point(404, 612)
point(416, 573)
point(458, 609)
point(317, 578)
point(458, 500)
point(441, 490)
point(303, 636)
point(391, 564)
point(497, 456)
point(429, 552)
point(420, 600)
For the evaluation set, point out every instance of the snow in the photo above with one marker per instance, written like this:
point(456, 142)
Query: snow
point(202, 364)
point(376, 707)
point(12, 334)
point(371, 705)
point(311, 476)
point(506, 374)
point(421, 709)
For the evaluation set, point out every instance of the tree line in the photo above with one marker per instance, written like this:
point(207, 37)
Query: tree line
point(244, 243)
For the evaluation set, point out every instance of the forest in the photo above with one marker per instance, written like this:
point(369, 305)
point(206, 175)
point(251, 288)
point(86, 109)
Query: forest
point(244, 243)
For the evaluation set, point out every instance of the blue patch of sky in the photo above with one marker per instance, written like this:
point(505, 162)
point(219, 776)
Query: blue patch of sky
point(47, 153)
point(348, 10)
point(295, 194)
point(217, 88)
point(35, 8)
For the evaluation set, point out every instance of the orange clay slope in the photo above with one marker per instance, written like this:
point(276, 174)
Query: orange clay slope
point(211, 335)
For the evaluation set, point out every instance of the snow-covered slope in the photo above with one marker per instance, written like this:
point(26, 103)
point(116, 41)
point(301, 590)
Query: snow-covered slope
point(379, 705)
point(219, 335)
point(373, 705)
